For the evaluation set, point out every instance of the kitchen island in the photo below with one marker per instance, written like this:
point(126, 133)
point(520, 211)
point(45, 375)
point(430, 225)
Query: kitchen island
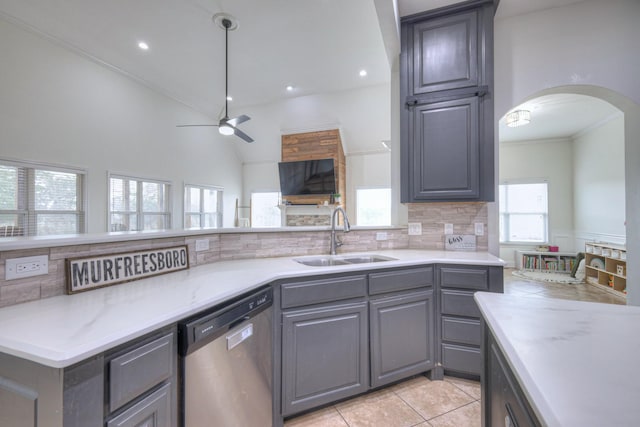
point(556, 362)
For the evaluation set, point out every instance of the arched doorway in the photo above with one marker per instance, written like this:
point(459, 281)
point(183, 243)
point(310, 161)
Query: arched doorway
point(630, 112)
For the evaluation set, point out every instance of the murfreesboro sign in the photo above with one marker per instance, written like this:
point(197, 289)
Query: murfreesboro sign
point(88, 273)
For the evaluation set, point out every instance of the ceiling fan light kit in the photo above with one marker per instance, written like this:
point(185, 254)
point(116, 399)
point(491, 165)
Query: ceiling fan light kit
point(227, 126)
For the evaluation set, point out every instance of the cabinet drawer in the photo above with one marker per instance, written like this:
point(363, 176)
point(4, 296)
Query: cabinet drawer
point(400, 280)
point(465, 331)
point(152, 411)
point(137, 371)
point(459, 303)
point(461, 358)
point(468, 278)
point(325, 290)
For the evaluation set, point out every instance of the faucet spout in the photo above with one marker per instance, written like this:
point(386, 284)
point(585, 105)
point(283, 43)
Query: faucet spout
point(335, 242)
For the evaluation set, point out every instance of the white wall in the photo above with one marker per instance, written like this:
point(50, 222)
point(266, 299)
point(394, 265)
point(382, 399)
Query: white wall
point(362, 115)
point(599, 201)
point(586, 47)
point(59, 107)
point(551, 161)
point(366, 170)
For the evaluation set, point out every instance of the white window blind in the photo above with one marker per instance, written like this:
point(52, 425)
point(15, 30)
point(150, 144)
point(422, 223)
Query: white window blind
point(40, 200)
point(523, 212)
point(202, 206)
point(137, 204)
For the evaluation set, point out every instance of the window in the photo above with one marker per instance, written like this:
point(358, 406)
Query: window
point(38, 200)
point(523, 213)
point(264, 209)
point(136, 204)
point(373, 206)
point(202, 206)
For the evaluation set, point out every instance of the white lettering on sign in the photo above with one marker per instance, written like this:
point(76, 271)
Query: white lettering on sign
point(94, 272)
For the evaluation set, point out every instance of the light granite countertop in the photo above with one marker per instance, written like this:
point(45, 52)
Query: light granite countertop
point(577, 362)
point(67, 329)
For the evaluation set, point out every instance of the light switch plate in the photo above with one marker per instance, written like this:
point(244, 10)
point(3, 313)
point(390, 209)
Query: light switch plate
point(202, 245)
point(479, 227)
point(415, 228)
point(17, 268)
point(448, 229)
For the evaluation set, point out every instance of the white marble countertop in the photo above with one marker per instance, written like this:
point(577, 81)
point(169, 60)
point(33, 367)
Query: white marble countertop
point(66, 329)
point(577, 362)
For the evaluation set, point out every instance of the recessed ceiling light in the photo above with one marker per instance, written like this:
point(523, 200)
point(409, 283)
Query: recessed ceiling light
point(363, 73)
point(229, 98)
point(143, 45)
point(289, 88)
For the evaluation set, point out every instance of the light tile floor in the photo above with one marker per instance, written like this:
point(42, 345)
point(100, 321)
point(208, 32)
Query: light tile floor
point(453, 402)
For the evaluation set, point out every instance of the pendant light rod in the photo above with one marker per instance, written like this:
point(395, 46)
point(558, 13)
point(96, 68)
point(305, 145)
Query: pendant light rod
point(227, 24)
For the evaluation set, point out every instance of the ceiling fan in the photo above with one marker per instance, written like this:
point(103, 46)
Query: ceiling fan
point(227, 126)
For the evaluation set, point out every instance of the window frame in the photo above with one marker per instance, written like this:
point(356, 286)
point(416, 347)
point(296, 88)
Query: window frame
point(504, 216)
point(140, 214)
point(219, 213)
point(26, 211)
point(357, 205)
point(252, 208)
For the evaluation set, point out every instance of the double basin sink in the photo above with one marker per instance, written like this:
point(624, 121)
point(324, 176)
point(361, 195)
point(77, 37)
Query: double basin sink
point(330, 260)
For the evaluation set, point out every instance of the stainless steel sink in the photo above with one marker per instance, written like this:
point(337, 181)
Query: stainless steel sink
point(329, 260)
point(320, 261)
point(362, 259)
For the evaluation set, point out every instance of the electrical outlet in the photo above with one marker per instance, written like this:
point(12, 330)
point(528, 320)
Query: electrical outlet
point(202, 245)
point(382, 235)
point(448, 229)
point(17, 268)
point(415, 228)
point(479, 227)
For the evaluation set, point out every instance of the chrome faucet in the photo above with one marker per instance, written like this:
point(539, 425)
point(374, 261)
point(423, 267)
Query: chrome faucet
point(335, 241)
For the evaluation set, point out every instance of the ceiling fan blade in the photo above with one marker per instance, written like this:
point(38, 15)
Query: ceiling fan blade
point(242, 135)
point(237, 120)
point(187, 126)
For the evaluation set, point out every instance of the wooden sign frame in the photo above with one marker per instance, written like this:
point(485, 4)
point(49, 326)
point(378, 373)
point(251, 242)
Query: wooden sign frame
point(93, 272)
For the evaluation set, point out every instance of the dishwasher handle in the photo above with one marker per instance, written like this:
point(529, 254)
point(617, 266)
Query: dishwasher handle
point(204, 329)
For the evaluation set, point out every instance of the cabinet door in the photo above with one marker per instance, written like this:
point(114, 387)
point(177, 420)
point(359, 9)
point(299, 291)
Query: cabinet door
point(444, 160)
point(402, 331)
point(507, 404)
point(152, 411)
point(445, 53)
point(324, 355)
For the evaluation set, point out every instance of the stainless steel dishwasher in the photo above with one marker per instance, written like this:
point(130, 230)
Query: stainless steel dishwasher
point(226, 364)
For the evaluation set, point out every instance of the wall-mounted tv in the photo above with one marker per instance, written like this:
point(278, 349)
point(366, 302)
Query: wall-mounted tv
point(307, 177)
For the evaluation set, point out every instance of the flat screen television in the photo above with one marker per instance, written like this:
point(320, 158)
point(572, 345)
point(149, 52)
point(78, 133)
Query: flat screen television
point(307, 177)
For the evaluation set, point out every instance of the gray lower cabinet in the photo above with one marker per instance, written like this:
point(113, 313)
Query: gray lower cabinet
point(132, 385)
point(459, 332)
point(402, 336)
point(324, 355)
point(504, 403)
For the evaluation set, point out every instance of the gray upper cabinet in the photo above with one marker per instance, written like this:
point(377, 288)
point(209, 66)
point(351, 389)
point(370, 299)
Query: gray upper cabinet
point(445, 53)
point(445, 150)
point(446, 119)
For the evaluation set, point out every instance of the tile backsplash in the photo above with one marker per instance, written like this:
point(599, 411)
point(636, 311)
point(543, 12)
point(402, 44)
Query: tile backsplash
point(249, 245)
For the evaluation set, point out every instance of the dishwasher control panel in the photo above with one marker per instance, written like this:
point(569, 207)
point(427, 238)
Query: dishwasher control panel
point(200, 330)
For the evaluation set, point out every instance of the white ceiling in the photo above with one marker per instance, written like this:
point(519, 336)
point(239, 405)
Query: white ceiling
point(318, 46)
point(558, 116)
point(314, 45)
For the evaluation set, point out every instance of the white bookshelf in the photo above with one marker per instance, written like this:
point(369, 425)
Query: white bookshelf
point(606, 267)
point(549, 262)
